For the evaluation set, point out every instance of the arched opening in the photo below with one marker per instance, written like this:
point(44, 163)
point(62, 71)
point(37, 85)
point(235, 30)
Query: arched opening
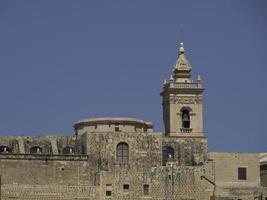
point(167, 152)
point(36, 150)
point(4, 149)
point(185, 118)
point(68, 150)
point(122, 153)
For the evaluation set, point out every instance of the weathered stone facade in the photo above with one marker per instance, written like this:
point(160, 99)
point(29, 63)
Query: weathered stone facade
point(123, 158)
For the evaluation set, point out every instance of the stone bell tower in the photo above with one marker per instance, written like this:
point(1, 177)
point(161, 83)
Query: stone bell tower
point(182, 101)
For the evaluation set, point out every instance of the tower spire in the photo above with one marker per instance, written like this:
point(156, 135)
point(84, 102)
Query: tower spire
point(182, 67)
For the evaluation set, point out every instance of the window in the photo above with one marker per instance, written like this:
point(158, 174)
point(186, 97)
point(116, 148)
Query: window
point(167, 152)
point(263, 167)
point(108, 193)
point(4, 149)
point(68, 150)
point(117, 128)
point(125, 186)
point(185, 118)
point(146, 189)
point(242, 173)
point(122, 153)
point(36, 150)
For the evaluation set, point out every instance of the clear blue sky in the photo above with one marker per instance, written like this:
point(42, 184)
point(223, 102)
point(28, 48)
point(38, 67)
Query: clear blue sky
point(61, 61)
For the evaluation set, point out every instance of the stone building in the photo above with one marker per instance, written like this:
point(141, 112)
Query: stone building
point(123, 158)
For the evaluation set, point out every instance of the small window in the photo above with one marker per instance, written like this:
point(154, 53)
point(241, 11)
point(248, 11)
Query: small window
point(146, 189)
point(108, 193)
point(126, 186)
point(4, 149)
point(242, 173)
point(263, 168)
point(95, 126)
point(167, 152)
point(68, 150)
point(36, 150)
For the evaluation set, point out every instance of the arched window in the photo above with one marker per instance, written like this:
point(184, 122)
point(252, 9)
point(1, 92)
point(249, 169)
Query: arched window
point(36, 150)
point(68, 150)
point(122, 153)
point(4, 149)
point(167, 152)
point(185, 118)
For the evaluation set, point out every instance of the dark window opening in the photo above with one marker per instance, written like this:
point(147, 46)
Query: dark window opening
point(167, 152)
point(36, 150)
point(4, 149)
point(122, 153)
point(95, 126)
point(146, 189)
point(117, 128)
point(263, 167)
point(126, 186)
point(68, 150)
point(185, 119)
point(242, 173)
point(108, 193)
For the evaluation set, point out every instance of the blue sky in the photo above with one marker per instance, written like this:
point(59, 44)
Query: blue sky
point(66, 60)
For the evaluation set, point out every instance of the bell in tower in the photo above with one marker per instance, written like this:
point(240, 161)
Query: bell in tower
point(182, 101)
point(182, 114)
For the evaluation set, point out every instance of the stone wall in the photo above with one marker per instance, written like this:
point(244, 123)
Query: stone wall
point(228, 185)
point(92, 171)
point(188, 151)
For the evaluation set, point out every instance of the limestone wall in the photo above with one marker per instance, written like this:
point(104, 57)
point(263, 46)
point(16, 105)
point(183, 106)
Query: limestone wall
point(226, 175)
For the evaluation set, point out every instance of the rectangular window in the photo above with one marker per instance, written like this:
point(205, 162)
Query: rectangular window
point(242, 173)
point(146, 189)
point(126, 186)
point(108, 193)
point(117, 128)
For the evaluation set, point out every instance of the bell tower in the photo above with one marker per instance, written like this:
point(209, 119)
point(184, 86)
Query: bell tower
point(182, 101)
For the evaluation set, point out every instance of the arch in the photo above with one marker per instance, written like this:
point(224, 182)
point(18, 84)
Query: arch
point(68, 150)
point(167, 152)
point(36, 150)
point(4, 149)
point(122, 153)
point(185, 116)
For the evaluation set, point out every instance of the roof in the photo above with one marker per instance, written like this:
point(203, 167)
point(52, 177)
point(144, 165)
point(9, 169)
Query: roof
point(113, 120)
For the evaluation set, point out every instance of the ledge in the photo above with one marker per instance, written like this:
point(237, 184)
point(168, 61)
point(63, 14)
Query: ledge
point(75, 157)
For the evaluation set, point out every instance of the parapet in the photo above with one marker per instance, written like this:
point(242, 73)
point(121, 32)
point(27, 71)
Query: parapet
point(108, 124)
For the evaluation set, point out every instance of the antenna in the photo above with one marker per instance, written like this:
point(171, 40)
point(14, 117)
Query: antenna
point(181, 35)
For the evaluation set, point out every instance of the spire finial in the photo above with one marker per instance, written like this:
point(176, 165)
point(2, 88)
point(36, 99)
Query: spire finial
point(198, 78)
point(181, 49)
